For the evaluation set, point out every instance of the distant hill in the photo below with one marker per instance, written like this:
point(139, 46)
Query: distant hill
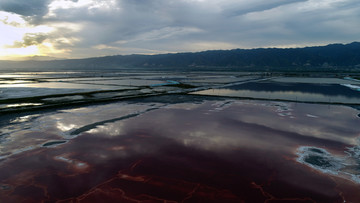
point(330, 57)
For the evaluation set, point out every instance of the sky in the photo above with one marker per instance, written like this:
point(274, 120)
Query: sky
point(91, 28)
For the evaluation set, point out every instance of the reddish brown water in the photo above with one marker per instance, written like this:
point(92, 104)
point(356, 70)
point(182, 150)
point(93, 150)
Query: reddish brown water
point(210, 152)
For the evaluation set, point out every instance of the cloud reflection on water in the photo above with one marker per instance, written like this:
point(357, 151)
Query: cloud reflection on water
point(240, 124)
point(223, 145)
point(283, 95)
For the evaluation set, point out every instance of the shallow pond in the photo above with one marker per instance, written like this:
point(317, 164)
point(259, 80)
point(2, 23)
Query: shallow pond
point(184, 151)
point(304, 92)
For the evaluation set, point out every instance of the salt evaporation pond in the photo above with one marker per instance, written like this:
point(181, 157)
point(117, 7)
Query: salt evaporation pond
point(303, 92)
point(182, 148)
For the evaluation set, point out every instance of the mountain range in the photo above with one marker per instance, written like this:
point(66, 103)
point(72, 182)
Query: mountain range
point(329, 57)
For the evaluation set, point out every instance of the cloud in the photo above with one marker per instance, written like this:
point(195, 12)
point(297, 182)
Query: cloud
point(25, 7)
point(28, 40)
point(106, 27)
point(13, 20)
point(244, 7)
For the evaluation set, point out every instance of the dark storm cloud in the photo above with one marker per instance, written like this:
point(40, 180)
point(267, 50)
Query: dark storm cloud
point(25, 7)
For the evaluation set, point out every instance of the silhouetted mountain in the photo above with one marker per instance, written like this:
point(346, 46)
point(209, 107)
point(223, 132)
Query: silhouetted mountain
point(330, 57)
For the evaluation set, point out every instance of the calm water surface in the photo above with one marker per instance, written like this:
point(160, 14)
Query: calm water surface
point(304, 92)
point(209, 150)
